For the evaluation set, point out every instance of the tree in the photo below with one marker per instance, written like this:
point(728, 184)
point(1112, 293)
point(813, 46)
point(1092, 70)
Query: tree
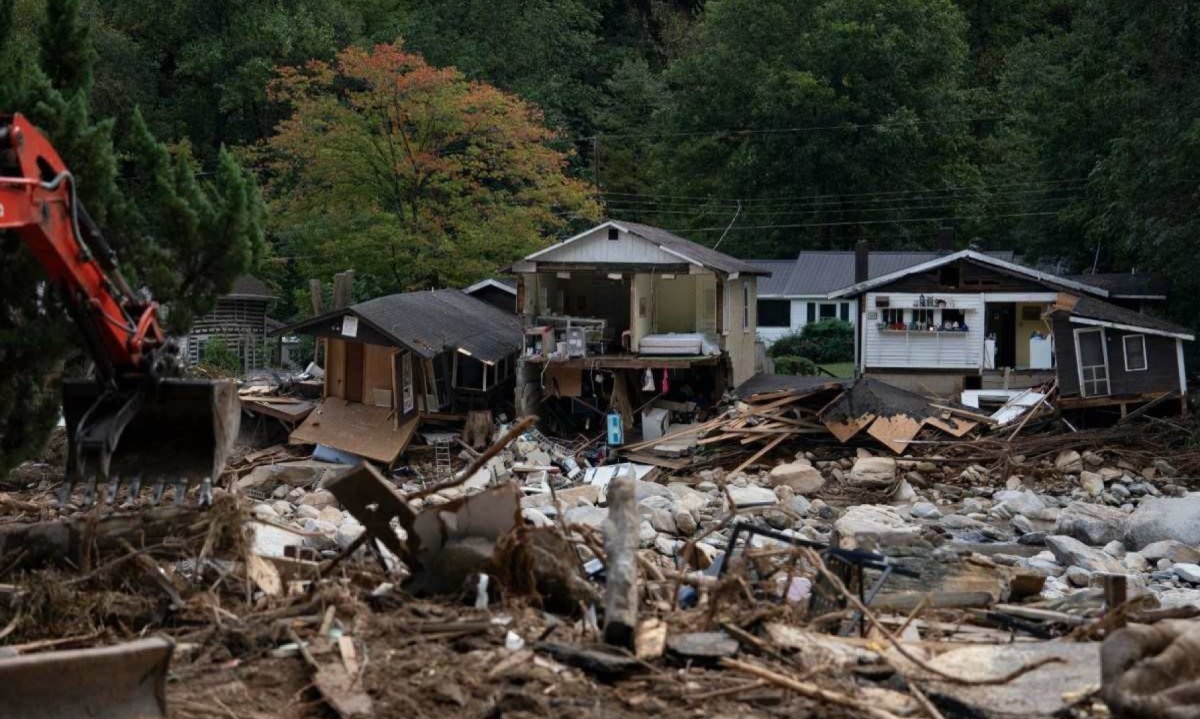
point(184, 238)
point(776, 102)
point(412, 175)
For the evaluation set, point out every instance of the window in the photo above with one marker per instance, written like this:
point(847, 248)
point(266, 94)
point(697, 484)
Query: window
point(774, 313)
point(1135, 353)
point(811, 314)
point(893, 318)
point(844, 311)
point(954, 319)
point(1092, 357)
point(923, 319)
point(745, 306)
point(828, 311)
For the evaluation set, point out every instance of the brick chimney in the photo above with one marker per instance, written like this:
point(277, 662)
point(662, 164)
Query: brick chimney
point(862, 262)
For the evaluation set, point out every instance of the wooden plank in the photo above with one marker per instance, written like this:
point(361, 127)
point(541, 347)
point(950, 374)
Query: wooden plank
point(965, 413)
point(846, 429)
point(894, 432)
point(671, 463)
point(358, 429)
point(760, 453)
point(957, 428)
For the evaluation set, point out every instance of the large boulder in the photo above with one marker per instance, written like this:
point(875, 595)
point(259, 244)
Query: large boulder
point(873, 473)
point(801, 476)
point(1071, 552)
point(875, 524)
point(1171, 549)
point(1157, 519)
point(1016, 502)
point(1094, 524)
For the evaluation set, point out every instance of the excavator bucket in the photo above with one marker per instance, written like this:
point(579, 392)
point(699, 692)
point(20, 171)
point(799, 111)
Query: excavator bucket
point(174, 433)
point(124, 681)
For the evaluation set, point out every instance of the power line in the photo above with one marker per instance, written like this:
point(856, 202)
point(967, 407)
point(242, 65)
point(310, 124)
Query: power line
point(863, 222)
point(831, 210)
point(744, 132)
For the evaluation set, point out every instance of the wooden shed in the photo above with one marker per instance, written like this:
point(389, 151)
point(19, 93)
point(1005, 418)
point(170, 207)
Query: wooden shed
point(394, 359)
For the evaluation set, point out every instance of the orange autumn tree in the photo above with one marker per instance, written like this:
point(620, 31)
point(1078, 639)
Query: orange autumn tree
point(411, 175)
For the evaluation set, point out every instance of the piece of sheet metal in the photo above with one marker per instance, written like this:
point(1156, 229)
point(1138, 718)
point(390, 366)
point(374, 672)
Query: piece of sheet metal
point(123, 681)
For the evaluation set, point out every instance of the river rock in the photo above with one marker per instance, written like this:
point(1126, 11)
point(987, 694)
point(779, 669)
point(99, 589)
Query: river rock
point(1068, 461)
point(1018, 502)
point(685, 523)
point(925, 510)
point(800, 476)
point(1188, 572)
point(1093, 524)
point(688, 498)
point(1091, 482)
point(751, 496)
point(1171, 549)
point(872, 473)
point(883, 524)
point(320, 499)
point(1157, 519)
point(1071, 552)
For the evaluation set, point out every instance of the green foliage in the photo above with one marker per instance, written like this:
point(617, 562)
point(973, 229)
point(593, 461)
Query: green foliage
point(825, 341)
point(792, 365)
point(67, 54)
point(219, 356)
point(410, 174)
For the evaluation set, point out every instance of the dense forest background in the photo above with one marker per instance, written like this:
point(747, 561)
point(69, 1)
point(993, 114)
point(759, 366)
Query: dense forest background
point(428, 142)
point(1061, 129)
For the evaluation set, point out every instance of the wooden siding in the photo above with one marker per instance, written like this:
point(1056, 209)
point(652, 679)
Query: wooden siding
point(596, 247)
point(241, 323)
point(972, 278)
point(377, 374)
point(740, 339)
point(919, 350)
point(1162, 366)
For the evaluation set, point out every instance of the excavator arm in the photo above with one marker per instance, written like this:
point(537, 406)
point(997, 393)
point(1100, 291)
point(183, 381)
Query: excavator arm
point(188, 424)
point(38, 202)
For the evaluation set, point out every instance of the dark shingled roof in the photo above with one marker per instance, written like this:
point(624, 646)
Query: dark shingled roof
point(1096, 309)
point(433, 321)
point(704, 255)
point(1124, 284)
point(819, 272)
point(249, 287)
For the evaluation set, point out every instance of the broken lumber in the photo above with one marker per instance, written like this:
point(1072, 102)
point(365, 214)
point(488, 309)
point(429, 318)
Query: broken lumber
point(620, 546)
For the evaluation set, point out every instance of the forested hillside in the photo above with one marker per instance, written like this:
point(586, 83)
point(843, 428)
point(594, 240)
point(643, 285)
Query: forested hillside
point(1060, 129)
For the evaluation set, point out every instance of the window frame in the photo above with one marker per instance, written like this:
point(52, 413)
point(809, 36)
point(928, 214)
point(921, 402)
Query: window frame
point(1125, 353)
point(746, 308)
point(786, 303)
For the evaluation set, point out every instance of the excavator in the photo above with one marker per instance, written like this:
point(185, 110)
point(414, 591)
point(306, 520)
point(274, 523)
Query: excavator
point(136, 421)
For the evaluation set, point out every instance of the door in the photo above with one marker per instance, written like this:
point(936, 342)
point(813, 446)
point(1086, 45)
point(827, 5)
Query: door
point(404, 373)
point(1092, 357)
point(354, 371)
point(1001, 323)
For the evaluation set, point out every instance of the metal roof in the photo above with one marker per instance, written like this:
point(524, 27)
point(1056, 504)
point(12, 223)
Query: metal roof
point(1086, 307)
point(973, 256)
point(819, 272)
point(1125, 284)
point(704, 255)
point(433, 321)
point(248, 287)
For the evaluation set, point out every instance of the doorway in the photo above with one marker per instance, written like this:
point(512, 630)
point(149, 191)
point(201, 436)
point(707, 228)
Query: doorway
point(1092, 356)
point(353, 369)
point(1000, 323)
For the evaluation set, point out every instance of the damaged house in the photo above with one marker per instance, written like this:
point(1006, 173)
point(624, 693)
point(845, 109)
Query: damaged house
point(240, 320)
point(626, 308)
point(972, 321)
point(394, 360)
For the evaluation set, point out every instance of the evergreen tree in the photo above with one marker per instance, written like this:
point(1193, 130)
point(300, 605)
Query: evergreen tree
point(67, 53)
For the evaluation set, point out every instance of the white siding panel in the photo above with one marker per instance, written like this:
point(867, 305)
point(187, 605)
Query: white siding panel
point(924, 350)
point(596, 247)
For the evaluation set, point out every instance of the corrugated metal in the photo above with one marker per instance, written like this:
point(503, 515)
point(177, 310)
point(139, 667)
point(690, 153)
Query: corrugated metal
point(596, 247)
point(924, 350)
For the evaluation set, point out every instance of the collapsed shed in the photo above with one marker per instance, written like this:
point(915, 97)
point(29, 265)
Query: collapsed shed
point(394, 360)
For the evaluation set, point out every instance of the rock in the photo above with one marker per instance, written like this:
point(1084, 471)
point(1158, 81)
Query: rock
point(536, 517)
point(665, 545)
point(866, 522)
point(904, 492)
point(685, 523)
point(1172, 598)
point(1091, 483)
point(1135, 562)
point(799, 505)
point(642, 490)
point(703, 646)
point(819, 508)
point(281, 491)
point(282, 507)
point(316, 525)
point(348, 531)
point(306, 511)
point(800, 476)
point(662, 520)
point(1115, 549)
point(264, 510)
point(777, 519)
point(646, 534)
point(1164, 468)
point(586, 515)
point(1013, 483)
point(1019, 502)
point(958, 521)
point(320, 499)
point(333, 515)
point(1093, 524)
point(1068, 461)
point(925, 510)
point(784, 493)
point(752, 496)
point(1171, 549)
point(1092, 459)
point(1071, 552)
point(688, 498)
point(1188, 572)
point(1078, 576)
point(872, 473)
point(1158, 519)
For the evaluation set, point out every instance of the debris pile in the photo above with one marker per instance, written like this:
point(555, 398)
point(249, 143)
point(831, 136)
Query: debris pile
point(847, 548)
